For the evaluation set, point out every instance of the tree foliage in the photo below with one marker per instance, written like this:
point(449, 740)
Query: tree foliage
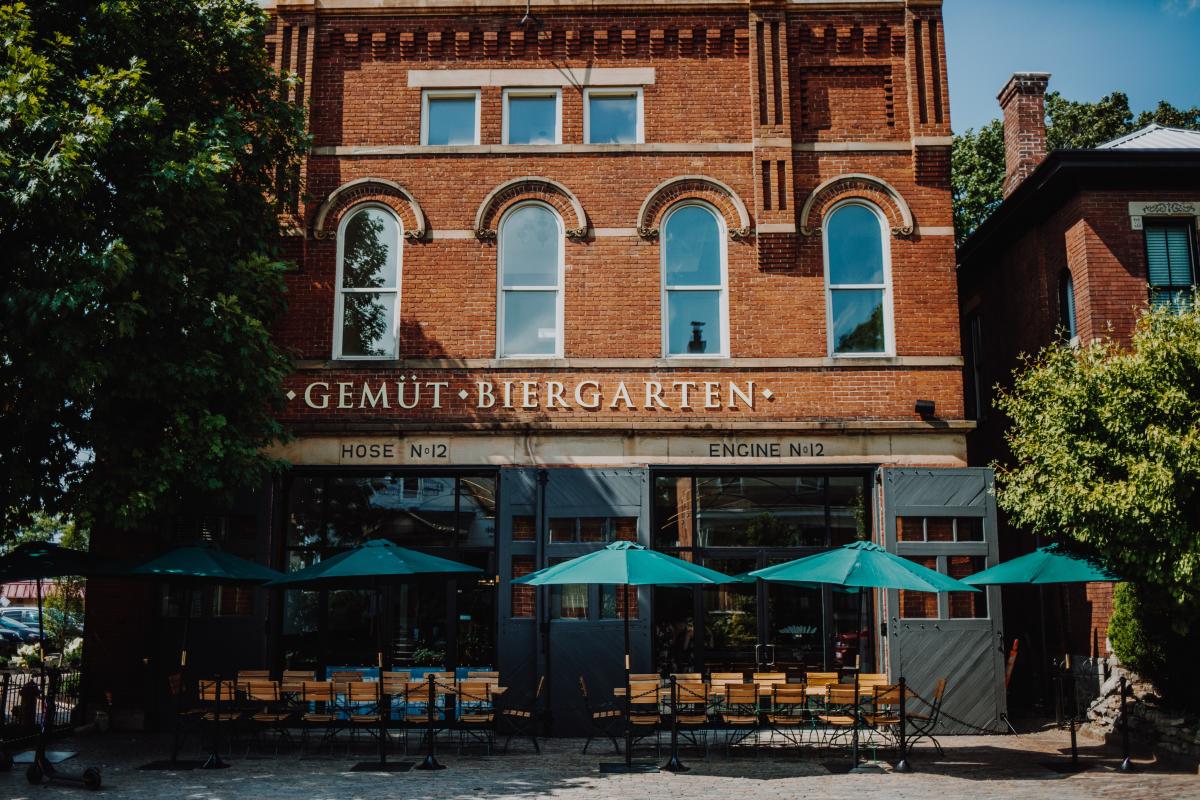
point(146, 152)
point(1105, 444)
point(977, 159)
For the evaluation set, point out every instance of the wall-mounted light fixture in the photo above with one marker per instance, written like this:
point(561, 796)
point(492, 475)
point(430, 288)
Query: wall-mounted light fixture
point(926, 408)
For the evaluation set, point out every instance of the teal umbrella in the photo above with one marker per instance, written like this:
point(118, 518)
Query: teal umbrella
point(863, 565)
point(194, 565)
point(1050, 564)
point(627, 564)
point(372, 565)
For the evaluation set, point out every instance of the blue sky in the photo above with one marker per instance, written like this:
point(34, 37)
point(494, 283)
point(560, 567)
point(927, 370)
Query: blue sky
point(1149, 49)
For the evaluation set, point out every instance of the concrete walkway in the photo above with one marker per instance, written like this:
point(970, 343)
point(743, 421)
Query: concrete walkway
point(982, 768)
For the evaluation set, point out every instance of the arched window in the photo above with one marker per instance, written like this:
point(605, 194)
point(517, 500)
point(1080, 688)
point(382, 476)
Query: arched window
point(530, 274)
point(858, 281)
point(695, 306)
point(1066, 303)
point(367, 309)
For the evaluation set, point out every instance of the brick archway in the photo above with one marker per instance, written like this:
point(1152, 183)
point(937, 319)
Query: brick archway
point(693, 187)
point(864, 187)
point(530, 187)
point(375, 190)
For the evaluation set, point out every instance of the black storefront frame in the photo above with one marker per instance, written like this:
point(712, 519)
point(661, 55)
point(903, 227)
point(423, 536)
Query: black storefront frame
point(763, 556)
point(279, 551)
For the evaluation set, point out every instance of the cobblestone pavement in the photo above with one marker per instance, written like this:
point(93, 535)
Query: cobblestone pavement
point(988, 768)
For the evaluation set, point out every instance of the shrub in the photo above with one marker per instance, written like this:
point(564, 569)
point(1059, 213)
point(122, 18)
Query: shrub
point(1154, 636)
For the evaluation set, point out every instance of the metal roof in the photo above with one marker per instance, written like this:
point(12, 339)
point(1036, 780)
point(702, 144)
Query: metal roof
point(1155, 137)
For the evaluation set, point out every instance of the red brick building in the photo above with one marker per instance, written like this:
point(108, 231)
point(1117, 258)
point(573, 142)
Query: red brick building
point(674, 271)
point(1084, 241)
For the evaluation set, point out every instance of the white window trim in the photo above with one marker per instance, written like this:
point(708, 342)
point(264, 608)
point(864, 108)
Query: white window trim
point(623, 91)
point(533, 92)
point(438, 94)
point(558, 288)
point(340, 291)
point(665, 290)
point(889, 338)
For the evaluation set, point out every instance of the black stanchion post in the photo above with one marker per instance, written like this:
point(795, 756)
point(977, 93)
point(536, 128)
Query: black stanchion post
point(430, 761)
point(673, 763)
point(902, 765)
point(854, 749)
point(1126, 761)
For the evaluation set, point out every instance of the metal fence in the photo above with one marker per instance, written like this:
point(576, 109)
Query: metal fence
point(28, 697)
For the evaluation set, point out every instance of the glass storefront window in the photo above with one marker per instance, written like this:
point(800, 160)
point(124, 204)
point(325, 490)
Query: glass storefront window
point(305, 500)
point(966, 605)
point(847, 510)
point(796, 627)
point(673, 512)
point(730, 618)
point(360, 509)
point(763, 511)
point(477, 511)
point(568, 601)
point(674, 629)
point(612, 602)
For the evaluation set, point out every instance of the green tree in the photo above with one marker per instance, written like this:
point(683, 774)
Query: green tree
point(63, 596)
point(977, 159)
point(146, 154)
point(1105, 444)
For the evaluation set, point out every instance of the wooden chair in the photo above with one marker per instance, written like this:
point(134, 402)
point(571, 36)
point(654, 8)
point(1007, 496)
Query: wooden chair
point(418, 712)
point(318, 710)
point(297, 675)
point(923, 723)
point(691, 718)
point(481, 674)
point(218, 701)
point(476, 714)
point(840, 713)
point(268, 713)
point(187, 713)
point(524, 720)
point(873, 679)
point(717, 681)
point(644, 716)
point(606, 719)
point(363, 705)
point(739, 716)
point(642, 677)
point(345, 676)
point(789, 715)
point(687, 676)
point(883, 716)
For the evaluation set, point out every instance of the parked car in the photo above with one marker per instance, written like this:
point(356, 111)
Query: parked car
point(9, 642)
point(22, 614)
point(24, 632)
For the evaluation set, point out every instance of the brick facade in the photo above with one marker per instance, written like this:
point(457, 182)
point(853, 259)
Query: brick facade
point(765, 106)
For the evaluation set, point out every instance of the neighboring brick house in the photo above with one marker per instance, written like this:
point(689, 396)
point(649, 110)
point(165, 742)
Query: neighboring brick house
point(680, 272)
point(1083, 242)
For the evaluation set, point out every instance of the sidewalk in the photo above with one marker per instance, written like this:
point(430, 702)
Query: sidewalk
point(982, 768)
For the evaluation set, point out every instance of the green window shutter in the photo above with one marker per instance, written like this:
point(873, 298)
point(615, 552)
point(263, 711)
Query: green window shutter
point(1169, 265)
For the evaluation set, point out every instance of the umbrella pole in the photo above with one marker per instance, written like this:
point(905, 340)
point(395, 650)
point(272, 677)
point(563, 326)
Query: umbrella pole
point(628, 699)
point(48, 700)
point(183, 653)
point(384, 710)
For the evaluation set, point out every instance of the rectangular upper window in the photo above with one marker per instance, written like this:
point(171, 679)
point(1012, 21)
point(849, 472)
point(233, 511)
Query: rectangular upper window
point(612, 116)
point(532, 116)
point(450, 117)
point(1171, 264)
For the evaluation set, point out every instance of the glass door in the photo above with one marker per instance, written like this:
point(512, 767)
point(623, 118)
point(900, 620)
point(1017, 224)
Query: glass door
point(730, 613)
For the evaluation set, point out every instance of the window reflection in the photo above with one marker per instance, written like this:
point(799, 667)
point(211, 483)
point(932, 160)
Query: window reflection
point(530, 248)
point(693, 279)
point(857, 280)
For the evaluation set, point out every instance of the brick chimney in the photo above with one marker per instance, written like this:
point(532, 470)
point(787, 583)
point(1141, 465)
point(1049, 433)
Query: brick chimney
point(1023, 101)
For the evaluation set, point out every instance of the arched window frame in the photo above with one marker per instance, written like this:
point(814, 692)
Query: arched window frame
point(501, 289)
point(340, 291)
point(889, 337)
point(1067, 314)
point(723, 303)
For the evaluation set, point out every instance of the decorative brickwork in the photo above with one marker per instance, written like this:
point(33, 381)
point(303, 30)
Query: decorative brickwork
point(520, 190)
point(866, 187)
point(364, 190)
point(693, 187)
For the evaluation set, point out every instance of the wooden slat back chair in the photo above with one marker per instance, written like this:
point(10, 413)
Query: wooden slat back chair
point(645, 718)
point(765, 681)
point(476, 716)
point(318, 710)
point(247, 675)
point(362, 703)
point(818, 683)
point(419, 714)
point(606, 719)
point(523, 720)
point(925, 721)
point(739, 715)
point(687, 676)
point(268, 712)
point(717, 681)
point(691, 704)
point(482, 674)
point(345, 676)
point(873, 679)
point(218, 699)
point(393, 686)
point(642, 677)
point(882, 715)
point(840, 712)
point(789, 715)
